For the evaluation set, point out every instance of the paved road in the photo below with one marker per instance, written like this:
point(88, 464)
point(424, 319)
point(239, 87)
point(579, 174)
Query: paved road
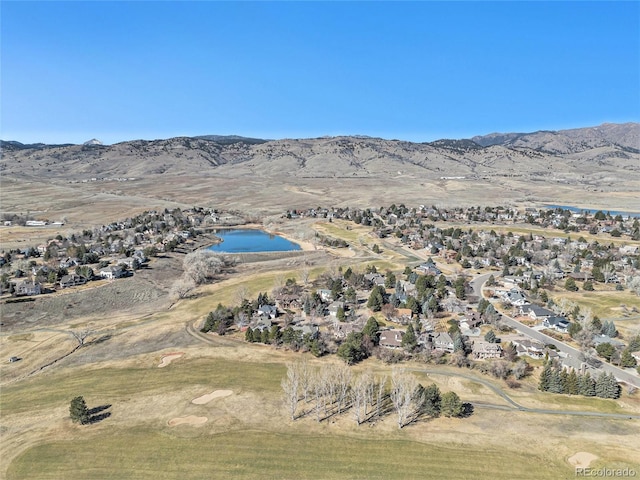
point(573, 354)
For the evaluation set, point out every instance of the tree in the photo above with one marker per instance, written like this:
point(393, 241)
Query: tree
point(78, 411)
point(410, 341)
point(609, 329)
point(490, 337)
point(605, 350)
point(627, 360)
point(81, 336)
point(372, 329)
point(450, 405)
point(352, 350)
point(203, 265)
point(572, 387)
point(290, 386)
point(403, 388)
point(340, 315)
point(570, 285)
point(432, 401)
point(390, 280)
point(607, 386)
point(545, 377)
point(586, 385)
point(376, 298)
point(182, 287)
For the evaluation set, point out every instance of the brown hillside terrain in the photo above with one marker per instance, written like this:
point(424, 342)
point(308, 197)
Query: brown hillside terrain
point(592, 168)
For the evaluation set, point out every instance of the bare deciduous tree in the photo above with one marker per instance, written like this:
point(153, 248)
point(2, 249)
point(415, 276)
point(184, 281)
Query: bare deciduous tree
point(403, 388)
point(242, 292)
point(81, 336)
point(181, 288)
point(342, 377)
point(358, 396)
point(203, 265)
point(291, 386)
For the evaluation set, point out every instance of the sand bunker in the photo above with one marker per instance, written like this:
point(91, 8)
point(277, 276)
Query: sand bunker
point(582, 459)
point(188, 420)
point(167, 359)
point(210, 396)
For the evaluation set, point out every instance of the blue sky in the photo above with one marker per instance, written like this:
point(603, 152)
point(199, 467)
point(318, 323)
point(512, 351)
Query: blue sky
point(419, 71)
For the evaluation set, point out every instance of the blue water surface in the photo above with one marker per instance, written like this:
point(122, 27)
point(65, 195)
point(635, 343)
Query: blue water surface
point(592, 211)
point(249, 241)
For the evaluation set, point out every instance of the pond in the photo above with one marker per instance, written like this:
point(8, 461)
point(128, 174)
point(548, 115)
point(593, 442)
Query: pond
point(250, 240)
point(592, 211)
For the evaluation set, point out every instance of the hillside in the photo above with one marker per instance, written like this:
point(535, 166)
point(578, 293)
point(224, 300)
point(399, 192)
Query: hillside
point(610, 151)
point(91, 183)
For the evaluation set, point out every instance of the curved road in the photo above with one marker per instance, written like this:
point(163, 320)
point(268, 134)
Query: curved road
point(622, 375)
point(517, 406)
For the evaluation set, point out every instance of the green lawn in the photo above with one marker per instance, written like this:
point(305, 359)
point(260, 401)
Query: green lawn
point(109, 384)
point(148, 454)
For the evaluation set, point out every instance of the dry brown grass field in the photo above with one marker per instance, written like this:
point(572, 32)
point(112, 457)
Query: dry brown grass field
point(247, 434)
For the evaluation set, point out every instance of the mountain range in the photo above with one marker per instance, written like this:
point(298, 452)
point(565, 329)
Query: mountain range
point(607, 153)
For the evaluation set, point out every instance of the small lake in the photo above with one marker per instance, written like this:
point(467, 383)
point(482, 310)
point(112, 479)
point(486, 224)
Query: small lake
point(249, 241)
point(592, 211)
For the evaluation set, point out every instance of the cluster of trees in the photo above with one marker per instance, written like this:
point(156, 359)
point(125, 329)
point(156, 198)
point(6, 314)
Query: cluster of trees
point(220, 319)
point(289, 337)
point(334, 389)
point(199, 267)
point(331, 242)
point(555, 379)
point(429, 292)
point(610, 354)
point(360, 345)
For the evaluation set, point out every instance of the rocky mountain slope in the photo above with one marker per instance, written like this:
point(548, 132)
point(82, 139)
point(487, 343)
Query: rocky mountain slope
point(606, 154)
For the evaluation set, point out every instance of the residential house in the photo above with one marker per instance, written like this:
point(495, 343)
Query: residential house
point(131, 262)
point(560, 324)
point(286, 301)
point(72, 280)
point(531, 348)
point(267, 311)
point(536, 312)
point(28, 287)
point(515, 297)
point(110, 272)
point(484, 350)
point(374, 278)
point(429, 269)
point(325, 295)
point(307, 329)
point(391, 339)
point(443, 341)
point(342, 329)
point(598, 339)
point(69, 262)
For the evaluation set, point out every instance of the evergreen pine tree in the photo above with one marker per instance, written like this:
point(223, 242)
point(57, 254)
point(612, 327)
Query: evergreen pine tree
point(573, 387)
point(555, 382)
point(602, 386)
point(248, 335)
point(587, 385)
point(545, 377)
point(78, 411)
point(564, 380)
point(410, 341)
point(627, 360)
